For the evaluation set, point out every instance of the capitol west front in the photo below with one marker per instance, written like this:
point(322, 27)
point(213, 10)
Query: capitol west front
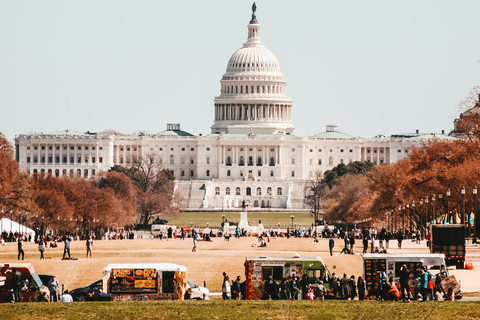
point(251, 153)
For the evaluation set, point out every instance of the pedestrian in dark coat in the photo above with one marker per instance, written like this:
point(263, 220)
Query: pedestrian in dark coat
point(331, 244)
point(361, 288)
point(345, 289)
point(353, 290)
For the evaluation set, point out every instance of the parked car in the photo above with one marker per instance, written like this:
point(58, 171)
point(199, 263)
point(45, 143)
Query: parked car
point(82, 294)
point(198, 292)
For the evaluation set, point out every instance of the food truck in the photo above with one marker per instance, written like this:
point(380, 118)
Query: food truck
point(259, 269)
point(145, 281)
point(31, 281)
point(373, 264)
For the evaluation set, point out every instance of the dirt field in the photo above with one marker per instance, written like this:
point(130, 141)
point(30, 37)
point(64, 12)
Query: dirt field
point(208, 263)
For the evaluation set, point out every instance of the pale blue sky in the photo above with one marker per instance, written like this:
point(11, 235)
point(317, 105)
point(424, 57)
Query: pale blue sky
point(372, 67)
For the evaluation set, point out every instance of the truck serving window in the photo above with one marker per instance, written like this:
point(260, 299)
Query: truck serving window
point(133, 281)
point(275, 272)
point(314, 274)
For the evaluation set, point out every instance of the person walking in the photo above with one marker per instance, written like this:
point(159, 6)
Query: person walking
point(89, 246)
point(195, 240)
point(41, 248)
point(53, 288)
point(66, 249)
point(352, 243)
point(20, 248)
point(331, 244)
point(17, 284)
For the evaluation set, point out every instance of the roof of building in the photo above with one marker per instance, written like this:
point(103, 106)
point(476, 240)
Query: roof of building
point(111, 132)
point(70, 133)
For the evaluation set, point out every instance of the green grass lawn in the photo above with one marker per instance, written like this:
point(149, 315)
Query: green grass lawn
point(214, 219)
point(243, 310)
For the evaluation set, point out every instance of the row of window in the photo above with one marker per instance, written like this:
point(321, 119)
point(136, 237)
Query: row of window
point(253, 64)
point(331, 150)
point(71, 173)
point(65, 148)
point(64, 160)
point(260, 89)
point(248, 191)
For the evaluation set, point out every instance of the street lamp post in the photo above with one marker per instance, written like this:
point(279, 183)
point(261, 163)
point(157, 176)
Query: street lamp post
point(292, 217)
point(440, 199)
point(427, 216)
point(433, 208)
point(448, 205)
point(463, 206)
point(475, 211)
point(421, 213)
point(26, 222)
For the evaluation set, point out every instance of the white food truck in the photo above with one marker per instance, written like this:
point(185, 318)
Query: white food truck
point(149, 281)
point(373, 264)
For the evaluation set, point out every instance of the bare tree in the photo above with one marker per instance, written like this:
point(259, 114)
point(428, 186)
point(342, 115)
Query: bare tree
point(316, 191)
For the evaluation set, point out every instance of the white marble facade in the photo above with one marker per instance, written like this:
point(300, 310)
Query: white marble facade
point(251, 154)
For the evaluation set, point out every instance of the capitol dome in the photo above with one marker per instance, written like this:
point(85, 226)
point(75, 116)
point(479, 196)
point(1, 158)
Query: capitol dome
point(255, 58)
point(253, 95)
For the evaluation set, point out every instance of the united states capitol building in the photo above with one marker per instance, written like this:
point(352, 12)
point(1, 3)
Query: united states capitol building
point(251, 154)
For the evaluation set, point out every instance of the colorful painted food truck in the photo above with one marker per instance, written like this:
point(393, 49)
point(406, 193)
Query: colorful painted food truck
point(391, 264)
point(259, 269)
point(31, 281)
point(145, 281)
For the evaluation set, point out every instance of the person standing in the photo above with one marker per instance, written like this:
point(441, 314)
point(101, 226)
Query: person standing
point(424, 284)
point(353, 289)
point(41, 248)
point(67, 248)
point(372, 244)
point(345, 289)
point(236, 289)
point(274, 288)
point(361, 288)
point(16, 284)
point(400, 239)
point(226, 293)
point(304, 286)
point(404, 287)
point(20, 248)
point(53, 288)
point(89, 246)
point(331, 244)
point(365, 244)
